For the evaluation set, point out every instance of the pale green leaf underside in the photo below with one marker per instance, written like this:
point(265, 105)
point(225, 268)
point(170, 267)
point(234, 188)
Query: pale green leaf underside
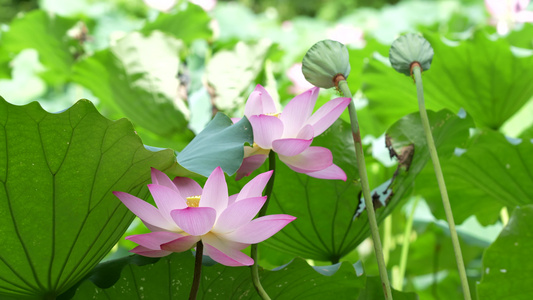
point(221, 143)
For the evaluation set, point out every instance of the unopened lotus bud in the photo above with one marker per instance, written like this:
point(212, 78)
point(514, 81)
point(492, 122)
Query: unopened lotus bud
point(409, 49)
point(324, 62)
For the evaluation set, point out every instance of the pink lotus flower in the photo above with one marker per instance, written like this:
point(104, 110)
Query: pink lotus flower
point(186, 214)
point(291, 132)
point(506, 13)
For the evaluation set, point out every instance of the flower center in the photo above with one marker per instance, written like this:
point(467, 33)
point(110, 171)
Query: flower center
point(273, 114)
point(254, 150)
point(193, 201)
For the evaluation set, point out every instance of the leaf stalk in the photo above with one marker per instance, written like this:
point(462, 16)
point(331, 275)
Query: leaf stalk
point(343, 86)
point(416, 70)
point(254, 253)
point(197, 270)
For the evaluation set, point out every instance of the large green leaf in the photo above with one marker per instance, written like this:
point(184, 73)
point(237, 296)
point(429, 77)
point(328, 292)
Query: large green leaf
point(448, 130)
point(325, 228)
point(507, 268)
point(137, 79)
point(374, 291)
point(171, 277)
point(480, 74)
point(492, 173)
point(187, 25)
point(522, 38)
point(58, 218)
point(527, 134)
point(5, 70)
point(221, 143)
point(46, 34)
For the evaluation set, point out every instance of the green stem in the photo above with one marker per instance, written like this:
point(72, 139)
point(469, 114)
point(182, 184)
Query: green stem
point(405, 246)
point(197, 270)
point(417, 72)
point(255, 267)
point(270, 184)
point(343, 86)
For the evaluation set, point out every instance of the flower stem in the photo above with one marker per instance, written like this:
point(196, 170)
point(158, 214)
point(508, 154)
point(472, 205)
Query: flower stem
point(343, 86)
point(270, 184)
point(417, 72)
point(197, 270)
point(405, 246)
point(255, 267)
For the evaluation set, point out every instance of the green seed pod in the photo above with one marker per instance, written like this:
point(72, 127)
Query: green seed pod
point(324, 61)
point(410, 48)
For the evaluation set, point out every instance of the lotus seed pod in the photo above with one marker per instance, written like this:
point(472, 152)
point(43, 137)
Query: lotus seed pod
point(410, 48)
point(324, 61)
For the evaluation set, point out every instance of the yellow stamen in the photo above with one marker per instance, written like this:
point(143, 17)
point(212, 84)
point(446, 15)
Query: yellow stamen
point(193, 201)
point(273, 114)
point(254, 150)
